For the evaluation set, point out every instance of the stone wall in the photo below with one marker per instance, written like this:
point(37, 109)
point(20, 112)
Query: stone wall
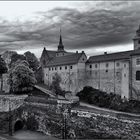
point(104, 126)
point(6, 87)
point(109, 81)
point(11, 102)
point(85, 124)
point(113, 78)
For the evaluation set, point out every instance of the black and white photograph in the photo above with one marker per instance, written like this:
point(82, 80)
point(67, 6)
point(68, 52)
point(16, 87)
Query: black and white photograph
point(69, 70)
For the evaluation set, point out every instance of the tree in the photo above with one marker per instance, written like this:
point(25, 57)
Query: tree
point(55, 85)
point(32, 60)
point(3, 69)
point(15, 57)
point(21, 77)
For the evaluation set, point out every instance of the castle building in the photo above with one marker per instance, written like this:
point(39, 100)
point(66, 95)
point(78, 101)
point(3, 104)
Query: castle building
point(70, 67)
point(117, 73)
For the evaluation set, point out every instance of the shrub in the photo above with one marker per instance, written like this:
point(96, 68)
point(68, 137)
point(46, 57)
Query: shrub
point(32, 124)
point(111, 101)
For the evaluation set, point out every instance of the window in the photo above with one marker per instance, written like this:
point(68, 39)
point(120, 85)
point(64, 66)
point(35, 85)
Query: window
point(60, 68)
point(55, 68)
point(117, 64)
point(124, 75)
point(138, 61)
point(118, 74)
point(70, 67)
point(106, 71)
point(52, 69)
point(138, 75)
point(107, 64)
point(139, 41)
point(95, 73)
point(65, 67)
point(83, 59)
point(49, 69)
point(95, 65)
point(124, 65)
point(90, 66)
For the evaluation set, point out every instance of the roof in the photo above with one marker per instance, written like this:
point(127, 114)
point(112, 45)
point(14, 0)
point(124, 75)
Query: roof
point(110, 57)
point(44, 90)
point(51, 54)
point(65, 60)
point(47, 53)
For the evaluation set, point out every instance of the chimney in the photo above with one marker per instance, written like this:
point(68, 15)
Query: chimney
point(105, 53)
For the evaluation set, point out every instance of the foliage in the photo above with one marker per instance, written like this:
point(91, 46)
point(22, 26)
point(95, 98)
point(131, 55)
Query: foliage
point(111, 101)
point(32, 60)
point(31, 123)
point(16, 57)
point(39, 75)
point(55, 86)
point(21, 78)
point(3, 68)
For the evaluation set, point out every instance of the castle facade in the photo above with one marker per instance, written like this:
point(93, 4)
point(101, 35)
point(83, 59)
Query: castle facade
point(117, 73)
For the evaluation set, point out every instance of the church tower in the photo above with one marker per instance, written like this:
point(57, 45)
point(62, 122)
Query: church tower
point(137, 39)
point(60, 46)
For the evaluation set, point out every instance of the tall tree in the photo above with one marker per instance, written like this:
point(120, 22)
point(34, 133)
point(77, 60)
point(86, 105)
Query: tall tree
point(55, 85)
point(32, 60)
point(3, 69)
point(21, 78)
point(15, 57)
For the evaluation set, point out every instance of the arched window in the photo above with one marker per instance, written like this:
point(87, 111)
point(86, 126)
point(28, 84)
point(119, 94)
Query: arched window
point(138, 75)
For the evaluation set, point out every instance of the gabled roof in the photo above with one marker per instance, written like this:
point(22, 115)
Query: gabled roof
point(110, 57)
point(65, 60)
point(48, 54)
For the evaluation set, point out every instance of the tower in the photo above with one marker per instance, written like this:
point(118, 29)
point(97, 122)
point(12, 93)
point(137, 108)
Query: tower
point(137, 39)
point(60, 46)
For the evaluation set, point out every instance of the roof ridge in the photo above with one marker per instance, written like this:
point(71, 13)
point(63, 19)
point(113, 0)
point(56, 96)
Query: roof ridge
point(112, 53)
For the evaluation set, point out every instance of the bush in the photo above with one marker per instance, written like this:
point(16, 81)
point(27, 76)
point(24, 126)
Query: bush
point(111, 101)
point(32, 124)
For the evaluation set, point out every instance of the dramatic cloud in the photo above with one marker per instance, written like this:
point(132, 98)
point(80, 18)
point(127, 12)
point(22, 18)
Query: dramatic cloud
point(85, 25)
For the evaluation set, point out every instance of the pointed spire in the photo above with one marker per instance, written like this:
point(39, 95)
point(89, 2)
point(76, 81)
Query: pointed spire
point(60, 41)
point(60, 46)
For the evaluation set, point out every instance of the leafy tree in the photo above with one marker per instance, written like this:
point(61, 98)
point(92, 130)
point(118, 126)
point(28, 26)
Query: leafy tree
point(32, 60)
point(3, 69)
point(21, 77)
point(55, 85)
point(15, 57)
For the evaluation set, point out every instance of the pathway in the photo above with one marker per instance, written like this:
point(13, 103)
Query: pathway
point(27, 135)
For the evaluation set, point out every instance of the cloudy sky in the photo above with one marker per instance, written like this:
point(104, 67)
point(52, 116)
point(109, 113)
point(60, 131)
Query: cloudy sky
point(92, 26)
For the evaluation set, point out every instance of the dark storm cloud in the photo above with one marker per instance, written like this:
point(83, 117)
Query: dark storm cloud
point(105, 25)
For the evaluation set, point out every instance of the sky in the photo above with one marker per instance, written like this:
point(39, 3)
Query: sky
point(92, 26)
